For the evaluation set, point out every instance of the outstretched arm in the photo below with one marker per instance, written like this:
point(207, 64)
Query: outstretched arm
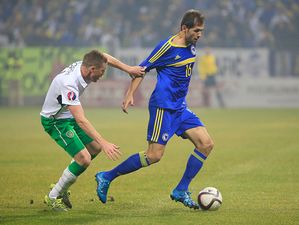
point(111, 150)
point(129, 98)
point(134, 71)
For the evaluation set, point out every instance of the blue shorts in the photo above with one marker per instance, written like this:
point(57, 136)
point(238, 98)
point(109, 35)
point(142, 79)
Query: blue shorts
point(164, 123)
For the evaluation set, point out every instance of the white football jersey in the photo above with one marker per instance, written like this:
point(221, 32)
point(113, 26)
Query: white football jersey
point(64, 90)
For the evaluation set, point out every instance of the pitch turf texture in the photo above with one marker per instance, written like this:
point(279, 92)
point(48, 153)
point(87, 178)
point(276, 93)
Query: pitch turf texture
point(254, 165)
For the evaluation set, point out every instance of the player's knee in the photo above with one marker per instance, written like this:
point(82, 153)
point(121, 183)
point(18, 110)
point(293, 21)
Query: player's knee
point(84, 160)
point(154, 157)
point(155, 152)
point(206, 147)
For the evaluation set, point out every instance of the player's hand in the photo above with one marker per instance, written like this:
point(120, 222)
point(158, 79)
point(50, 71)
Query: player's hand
point(128, 101)
point(136, 71)
point(111, 150)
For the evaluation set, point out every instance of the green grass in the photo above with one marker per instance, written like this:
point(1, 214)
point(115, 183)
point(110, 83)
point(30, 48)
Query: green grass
point(254, 165)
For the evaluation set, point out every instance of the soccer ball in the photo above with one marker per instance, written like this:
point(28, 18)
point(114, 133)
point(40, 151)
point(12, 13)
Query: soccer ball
point(209, 198)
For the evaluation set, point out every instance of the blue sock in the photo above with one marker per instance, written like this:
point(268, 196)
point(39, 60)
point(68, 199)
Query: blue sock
point(133, 163)
point(194, 164)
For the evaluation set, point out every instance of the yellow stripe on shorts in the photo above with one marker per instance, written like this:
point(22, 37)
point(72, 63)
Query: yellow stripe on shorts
point(157, 125)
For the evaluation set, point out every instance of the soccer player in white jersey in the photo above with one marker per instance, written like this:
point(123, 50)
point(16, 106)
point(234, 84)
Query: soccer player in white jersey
point(63, 118)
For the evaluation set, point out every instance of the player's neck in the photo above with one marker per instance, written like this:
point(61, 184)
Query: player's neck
point(180, 39)
point(84, 74)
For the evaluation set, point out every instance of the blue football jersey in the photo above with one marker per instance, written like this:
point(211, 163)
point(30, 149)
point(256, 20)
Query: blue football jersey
point(174, 65)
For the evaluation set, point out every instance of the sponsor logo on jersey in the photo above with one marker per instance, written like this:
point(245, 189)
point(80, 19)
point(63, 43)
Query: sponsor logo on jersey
point(177, 57)
point(71, 96)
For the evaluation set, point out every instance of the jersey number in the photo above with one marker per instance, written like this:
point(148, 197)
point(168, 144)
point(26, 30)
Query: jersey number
point(188, 70)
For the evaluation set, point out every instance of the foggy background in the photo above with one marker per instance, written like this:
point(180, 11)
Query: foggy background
point(255, 43)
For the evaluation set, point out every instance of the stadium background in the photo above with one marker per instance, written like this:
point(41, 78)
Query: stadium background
point(255, 160)
point(255, 43)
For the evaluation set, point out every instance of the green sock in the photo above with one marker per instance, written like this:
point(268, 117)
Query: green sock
point(76, 169)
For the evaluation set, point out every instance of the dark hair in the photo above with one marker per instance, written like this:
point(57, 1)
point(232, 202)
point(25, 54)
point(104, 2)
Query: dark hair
point(94, 58)
point(191, 18)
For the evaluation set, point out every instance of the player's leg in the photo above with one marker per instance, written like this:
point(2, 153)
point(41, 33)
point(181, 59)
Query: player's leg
point(203, 146)
point(219, 95)
point(69, 176)
point(135, 162)
point(93, 148)
point(157, 128)
point(206, 93)
point(193, 129)
point(62, 131)
point(61, 188)
point(157, 137)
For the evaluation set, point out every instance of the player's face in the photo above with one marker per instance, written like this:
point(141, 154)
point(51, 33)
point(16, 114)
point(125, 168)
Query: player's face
point(97, 72)
point(193, 34)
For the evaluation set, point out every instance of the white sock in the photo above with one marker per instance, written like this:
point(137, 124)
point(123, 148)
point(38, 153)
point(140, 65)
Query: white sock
point(65, 181)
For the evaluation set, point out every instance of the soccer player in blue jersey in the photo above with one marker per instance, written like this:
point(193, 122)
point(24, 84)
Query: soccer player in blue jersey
point(173, 60)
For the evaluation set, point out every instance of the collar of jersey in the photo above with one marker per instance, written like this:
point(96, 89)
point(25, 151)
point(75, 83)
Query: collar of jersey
point(174, 45)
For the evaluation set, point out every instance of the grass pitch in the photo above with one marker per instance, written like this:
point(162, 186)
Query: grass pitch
point(254, 165)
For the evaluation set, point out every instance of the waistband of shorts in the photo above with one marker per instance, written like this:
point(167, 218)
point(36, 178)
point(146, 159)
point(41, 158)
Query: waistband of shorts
point(54, 119)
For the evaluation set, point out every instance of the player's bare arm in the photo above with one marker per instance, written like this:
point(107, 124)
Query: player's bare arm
point(134, 71)
point(129, 98)
point(110, 149)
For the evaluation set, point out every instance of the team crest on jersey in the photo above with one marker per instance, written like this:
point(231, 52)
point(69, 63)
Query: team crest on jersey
point(70, 134)
point(165, 137)
point(71, 96)
point(193, 50)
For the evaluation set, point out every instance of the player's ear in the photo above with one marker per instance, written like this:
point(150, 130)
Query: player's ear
point(91, 68)
point(184, 28)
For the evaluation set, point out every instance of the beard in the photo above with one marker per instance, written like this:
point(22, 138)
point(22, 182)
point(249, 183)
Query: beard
point(191, 40)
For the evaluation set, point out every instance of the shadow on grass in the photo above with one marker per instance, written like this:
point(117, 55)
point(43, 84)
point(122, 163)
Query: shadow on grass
point(97, 216)
point(46, 217)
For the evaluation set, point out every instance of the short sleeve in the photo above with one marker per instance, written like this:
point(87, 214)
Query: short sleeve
point(70, 95)
point(157, 56)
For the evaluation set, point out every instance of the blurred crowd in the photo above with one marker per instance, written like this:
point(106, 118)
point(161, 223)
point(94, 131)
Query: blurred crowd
point(135, 23)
